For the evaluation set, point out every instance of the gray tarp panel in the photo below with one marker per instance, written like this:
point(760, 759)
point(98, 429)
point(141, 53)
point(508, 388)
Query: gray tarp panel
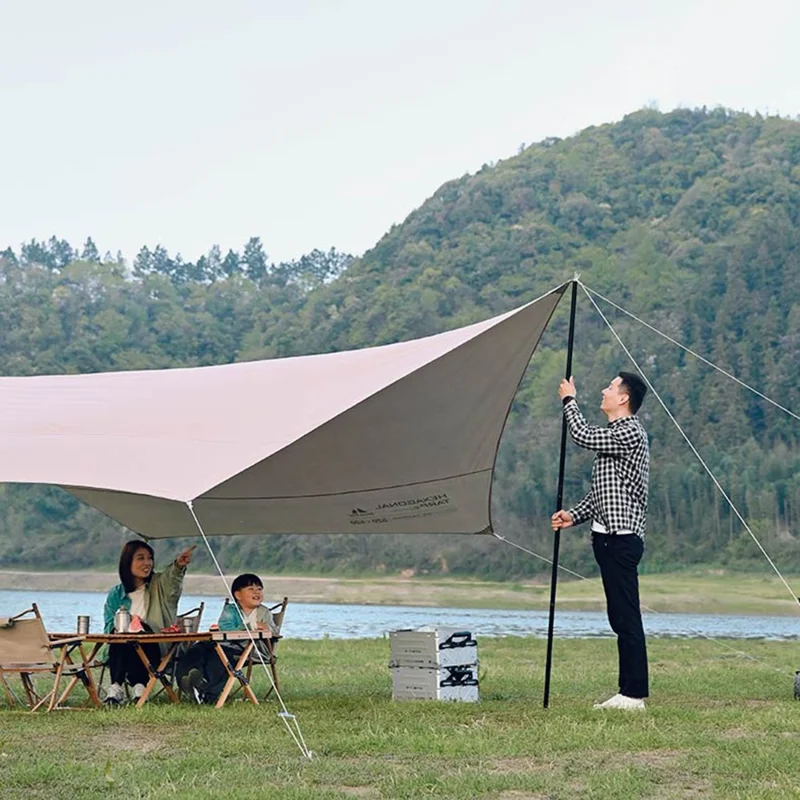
point(393, 439)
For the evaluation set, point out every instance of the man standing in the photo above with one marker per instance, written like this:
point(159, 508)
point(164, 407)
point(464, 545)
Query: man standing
point(617, 506)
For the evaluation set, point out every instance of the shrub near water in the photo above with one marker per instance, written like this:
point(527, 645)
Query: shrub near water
point(719, 725)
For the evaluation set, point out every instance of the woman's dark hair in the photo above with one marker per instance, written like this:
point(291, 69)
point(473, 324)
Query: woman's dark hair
point(635, 388)
point(245, 580)
point(126, 559)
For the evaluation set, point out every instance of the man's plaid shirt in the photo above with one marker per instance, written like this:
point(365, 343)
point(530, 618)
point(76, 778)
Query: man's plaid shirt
point(618, 496)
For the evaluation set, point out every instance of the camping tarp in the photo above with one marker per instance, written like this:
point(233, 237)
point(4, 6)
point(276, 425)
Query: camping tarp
point(394, 439)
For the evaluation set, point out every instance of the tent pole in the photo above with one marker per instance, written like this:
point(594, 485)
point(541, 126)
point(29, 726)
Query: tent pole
point(559, 502)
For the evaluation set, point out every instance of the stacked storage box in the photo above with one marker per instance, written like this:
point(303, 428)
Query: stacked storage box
point(434, 664)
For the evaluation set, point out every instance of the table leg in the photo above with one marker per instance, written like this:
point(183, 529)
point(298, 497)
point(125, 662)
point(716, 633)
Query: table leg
point(70, 686)
point(91, 687)
point(85, 677)
point(153, 677)
point(233, 676)
point(59, 670)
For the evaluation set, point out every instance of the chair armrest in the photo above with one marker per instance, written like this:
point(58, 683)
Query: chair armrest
point(65, 640)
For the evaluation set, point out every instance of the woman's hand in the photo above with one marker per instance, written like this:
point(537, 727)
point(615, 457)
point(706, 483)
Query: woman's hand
point(185, 558)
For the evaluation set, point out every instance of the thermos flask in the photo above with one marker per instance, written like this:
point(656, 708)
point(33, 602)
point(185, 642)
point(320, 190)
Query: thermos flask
point(122, 620)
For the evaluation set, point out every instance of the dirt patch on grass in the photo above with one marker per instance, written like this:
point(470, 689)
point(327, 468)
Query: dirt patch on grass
point(660, 759)
point(122, 740)
point(657, 759)
point(734, 734)
point(525, 766)
point(684, 787)
point(515, 794)
point(359, 791)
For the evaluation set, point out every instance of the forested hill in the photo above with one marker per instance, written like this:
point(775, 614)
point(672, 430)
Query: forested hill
point(687, 219)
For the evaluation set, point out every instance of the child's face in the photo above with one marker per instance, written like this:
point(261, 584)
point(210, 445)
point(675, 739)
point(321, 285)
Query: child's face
point(249, 597)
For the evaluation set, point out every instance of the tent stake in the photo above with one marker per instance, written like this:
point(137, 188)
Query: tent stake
point(559, 502)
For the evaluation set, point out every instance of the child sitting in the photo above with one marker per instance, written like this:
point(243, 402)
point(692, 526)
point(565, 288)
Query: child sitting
point(248, 591)
point(200, 672)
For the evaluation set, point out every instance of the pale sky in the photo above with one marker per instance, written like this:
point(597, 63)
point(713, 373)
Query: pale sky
point(320, 124)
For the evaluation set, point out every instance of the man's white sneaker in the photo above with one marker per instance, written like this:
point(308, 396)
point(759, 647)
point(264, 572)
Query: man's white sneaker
point(138, 690)
point(623, 702)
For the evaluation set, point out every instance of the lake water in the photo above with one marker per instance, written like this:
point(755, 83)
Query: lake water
point(317, 620)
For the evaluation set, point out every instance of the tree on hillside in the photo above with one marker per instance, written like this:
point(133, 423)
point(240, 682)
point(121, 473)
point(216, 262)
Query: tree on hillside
point(90, 251)
point(143, 263)
point(34, 252)
point(255, 259)
point(231, 264)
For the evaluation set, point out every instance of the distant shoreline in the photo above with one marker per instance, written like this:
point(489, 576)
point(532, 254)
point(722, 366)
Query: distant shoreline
point(302, 589)
point(713, 591)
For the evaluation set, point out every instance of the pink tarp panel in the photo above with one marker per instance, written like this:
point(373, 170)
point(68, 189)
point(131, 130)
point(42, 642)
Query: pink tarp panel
point(393, 439)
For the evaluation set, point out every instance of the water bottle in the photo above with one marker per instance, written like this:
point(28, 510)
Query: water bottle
point(122, 620)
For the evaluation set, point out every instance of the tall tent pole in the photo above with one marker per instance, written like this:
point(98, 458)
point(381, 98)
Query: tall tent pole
point(559, 502)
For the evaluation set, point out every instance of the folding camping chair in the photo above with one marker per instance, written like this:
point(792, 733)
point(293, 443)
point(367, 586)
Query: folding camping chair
point(195, 616)
point(244, 670)
point(26, 649)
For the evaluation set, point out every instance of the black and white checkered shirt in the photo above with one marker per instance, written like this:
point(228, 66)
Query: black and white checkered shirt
point(618, 497)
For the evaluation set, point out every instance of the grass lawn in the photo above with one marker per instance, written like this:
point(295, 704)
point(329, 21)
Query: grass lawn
point(719, 725)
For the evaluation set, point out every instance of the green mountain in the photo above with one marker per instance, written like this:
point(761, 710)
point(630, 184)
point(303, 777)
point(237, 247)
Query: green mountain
point(687, 219)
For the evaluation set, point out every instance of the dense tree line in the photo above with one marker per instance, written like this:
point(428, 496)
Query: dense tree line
point(689, 219)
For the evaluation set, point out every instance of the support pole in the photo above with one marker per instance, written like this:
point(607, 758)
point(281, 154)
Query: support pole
point(559, 503)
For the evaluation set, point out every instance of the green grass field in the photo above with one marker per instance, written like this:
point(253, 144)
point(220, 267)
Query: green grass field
point(719, 725)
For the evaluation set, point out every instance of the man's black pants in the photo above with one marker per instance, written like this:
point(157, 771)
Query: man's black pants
point(618, 558)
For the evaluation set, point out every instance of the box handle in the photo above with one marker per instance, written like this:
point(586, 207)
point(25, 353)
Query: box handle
point(459, 676)
point(458, 639)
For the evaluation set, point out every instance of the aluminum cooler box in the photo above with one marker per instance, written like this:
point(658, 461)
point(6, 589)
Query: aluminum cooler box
point(432, 648)
point(434, 664)
point(458, 682)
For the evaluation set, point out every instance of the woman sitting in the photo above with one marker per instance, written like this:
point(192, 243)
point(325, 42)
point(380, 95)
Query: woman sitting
point(152, 601)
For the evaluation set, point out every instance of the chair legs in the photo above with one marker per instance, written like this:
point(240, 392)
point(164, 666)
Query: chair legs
point(9, 693)
point(274, 686)
point(34, 700)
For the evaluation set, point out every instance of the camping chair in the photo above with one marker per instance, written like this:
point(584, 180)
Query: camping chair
point(278, 613)
point(194, 615)
point(26, 649)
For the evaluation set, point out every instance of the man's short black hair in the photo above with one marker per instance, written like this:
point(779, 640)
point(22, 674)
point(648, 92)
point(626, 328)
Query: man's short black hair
point(245, 580)
point(635, 388)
